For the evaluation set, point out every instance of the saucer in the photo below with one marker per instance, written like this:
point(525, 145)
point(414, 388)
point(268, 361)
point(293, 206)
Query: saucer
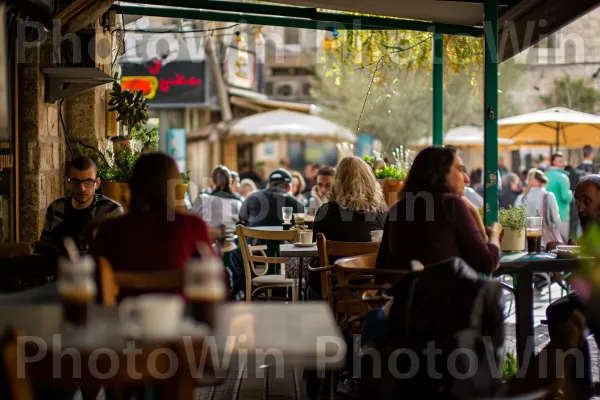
point(300, 244)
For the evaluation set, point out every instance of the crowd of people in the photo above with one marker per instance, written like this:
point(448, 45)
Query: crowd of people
point(547, 190)
point(350, 204)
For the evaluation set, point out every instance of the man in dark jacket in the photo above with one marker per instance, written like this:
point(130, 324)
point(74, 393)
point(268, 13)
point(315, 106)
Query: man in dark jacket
point(511, 189)
point(263, 208)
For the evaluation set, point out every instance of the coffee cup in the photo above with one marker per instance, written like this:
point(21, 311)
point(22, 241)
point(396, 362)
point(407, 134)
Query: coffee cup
point(306, 237)
point(376, 236)
point(151, 316)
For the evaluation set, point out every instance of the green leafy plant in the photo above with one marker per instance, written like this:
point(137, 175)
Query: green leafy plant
point(119, 165)
point(132, 110)
point(391, 173)
point(514, 218)
point(510, 366)
point(185, 177)
point(147, 137)
point(398, 170)
point(132, 107)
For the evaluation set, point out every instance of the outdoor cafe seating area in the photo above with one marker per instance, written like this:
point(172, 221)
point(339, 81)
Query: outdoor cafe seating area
point(341, 295)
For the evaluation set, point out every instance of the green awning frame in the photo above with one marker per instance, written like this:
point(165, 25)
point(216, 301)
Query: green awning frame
point(311, 18)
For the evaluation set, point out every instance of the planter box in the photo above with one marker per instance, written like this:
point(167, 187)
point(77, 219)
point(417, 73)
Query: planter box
point(513, 240)
point(118, 191)
point(391, 187)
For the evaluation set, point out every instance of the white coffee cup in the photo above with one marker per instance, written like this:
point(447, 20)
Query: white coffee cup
point(151, 316)
point(376, 236)
point(306, 237)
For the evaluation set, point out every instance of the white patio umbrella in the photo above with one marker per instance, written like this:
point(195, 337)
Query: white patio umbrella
point(463, 136)
point(556, 126)
point(291, 123)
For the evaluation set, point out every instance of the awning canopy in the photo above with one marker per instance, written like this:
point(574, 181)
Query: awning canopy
point(522, 23)
point(464, 136)
point(290, 123)
point(555, 126)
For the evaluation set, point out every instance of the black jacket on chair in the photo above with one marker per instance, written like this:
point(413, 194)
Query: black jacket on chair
point(446, 307)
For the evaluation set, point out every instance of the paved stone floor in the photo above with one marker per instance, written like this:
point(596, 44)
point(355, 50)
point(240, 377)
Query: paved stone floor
point(291, 387)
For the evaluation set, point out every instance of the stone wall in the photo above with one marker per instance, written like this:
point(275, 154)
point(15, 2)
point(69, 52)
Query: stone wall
point(41, 147)
point(43, 153)
point(575, 51)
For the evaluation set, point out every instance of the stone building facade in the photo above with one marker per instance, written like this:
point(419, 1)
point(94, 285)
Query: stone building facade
point(42, 149)
point(574, 51)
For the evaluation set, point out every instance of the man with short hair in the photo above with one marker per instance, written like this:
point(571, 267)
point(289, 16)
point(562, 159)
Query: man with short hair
point(263, 208)
point(320, 191)
point(587, 165)
point(558, 183)
point(511, 189)
point(73, 215)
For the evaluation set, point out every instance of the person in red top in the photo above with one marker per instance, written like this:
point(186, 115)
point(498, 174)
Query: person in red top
point(433, 221)
point(153, 235)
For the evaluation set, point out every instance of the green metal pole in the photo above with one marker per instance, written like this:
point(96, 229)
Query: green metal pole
point(438, 89)
point(491, 110)
point(298, 17)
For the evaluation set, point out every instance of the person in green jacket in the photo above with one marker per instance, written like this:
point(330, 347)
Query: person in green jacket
point(558, 183)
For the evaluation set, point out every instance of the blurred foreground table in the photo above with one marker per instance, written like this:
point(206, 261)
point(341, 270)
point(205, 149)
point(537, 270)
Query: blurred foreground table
point(301, 335)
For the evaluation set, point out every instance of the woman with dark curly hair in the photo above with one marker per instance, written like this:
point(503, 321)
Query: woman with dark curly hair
point(433, 221)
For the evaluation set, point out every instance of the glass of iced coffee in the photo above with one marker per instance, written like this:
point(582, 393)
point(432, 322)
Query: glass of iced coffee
point(534, 235)
point(77, 288)
point(204, 287)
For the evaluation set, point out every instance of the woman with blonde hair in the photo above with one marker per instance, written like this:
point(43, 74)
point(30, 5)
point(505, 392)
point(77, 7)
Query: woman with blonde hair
point(355, 207)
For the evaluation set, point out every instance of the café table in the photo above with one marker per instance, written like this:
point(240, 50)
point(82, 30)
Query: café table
point(522, 266)
point(290, 250)
point(287, 336)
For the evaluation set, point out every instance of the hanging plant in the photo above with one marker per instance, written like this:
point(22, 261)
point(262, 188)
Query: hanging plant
point(131, 107)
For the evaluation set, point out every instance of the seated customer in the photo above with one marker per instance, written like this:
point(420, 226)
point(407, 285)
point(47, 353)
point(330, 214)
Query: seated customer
point(434, 222)
point(73, 215)
point(152, 236)
point(263, 208)
point(319, 192)
point(221, 207)
point(587, 197)
point(356, 207)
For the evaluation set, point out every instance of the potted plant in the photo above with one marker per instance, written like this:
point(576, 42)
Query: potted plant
point(514, 224)
point(182, 188)
point(115, 167)
point(391, 177)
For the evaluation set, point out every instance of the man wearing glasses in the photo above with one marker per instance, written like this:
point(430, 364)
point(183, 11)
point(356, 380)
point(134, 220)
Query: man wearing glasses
point(73, 215)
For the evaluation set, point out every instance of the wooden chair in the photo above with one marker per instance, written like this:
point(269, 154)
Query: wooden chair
point(114, 283)
point(263, 281)
point(356, 284)
point(331, 248)
point(12, 386)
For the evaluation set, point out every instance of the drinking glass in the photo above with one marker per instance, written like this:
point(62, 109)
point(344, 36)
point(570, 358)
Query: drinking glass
point(534, 235)
point(77, 288)
point(310, 214)
point(287, 214)
point(204, 287)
